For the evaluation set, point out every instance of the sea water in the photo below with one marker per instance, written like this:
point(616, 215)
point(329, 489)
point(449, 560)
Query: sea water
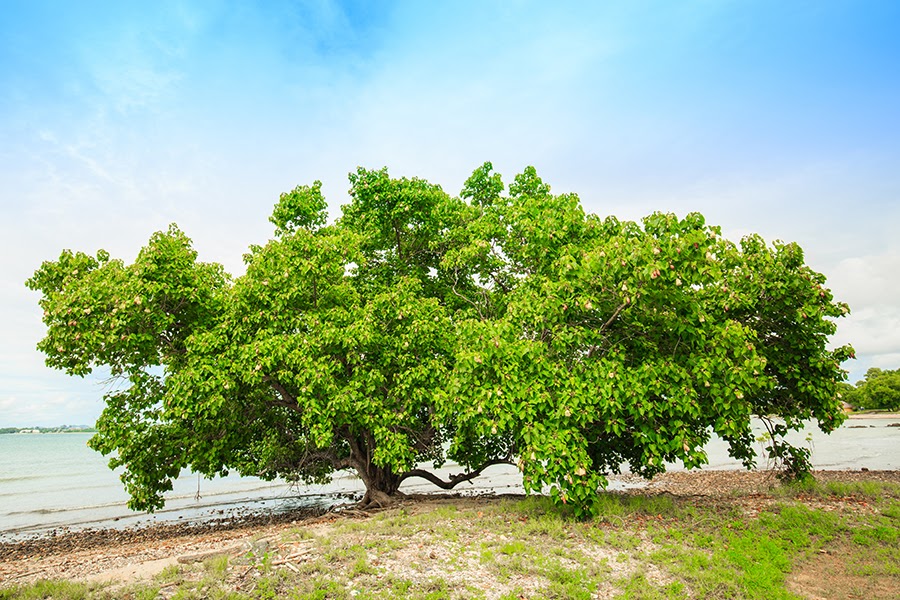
point(55, 480)
point(48, 481)
point(866, 441)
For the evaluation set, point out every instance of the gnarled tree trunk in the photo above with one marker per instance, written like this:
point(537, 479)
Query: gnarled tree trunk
point(382, 487)
point(383, 484)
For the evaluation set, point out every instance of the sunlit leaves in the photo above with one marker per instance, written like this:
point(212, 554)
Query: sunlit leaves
point(626, 344)
point(418, 327)
point(304, 207)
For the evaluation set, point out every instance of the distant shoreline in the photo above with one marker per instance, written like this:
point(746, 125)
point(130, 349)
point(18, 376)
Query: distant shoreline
point(874, 415)
point(42, 430)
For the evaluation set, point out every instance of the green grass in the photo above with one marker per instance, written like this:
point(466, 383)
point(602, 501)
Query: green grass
point(858, 490)
point(50, 589)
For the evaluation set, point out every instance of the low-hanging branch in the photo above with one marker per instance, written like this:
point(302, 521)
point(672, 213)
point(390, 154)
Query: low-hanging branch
point(454, 480)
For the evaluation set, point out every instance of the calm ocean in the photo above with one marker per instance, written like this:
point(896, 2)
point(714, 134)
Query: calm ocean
point(54, 480)
point(49, 481)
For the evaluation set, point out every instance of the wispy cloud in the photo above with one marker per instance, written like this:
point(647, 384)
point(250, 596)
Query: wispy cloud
point(771, 118)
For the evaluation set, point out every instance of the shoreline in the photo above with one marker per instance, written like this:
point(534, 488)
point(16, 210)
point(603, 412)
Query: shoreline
point(140, 552)
point(699, 482)
point(864, 440)
point(63, 539)
point(874, 415)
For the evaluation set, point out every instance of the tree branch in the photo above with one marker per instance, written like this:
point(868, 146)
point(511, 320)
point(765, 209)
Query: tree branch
point(454, 480)
point(357, 458)
point(615, 314)
point(472, 302)
point(344, 463)
point(287, 400)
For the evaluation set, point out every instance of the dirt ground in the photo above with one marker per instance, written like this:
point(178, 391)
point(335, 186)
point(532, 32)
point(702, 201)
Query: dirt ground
point(826, 577)
point(130, 555)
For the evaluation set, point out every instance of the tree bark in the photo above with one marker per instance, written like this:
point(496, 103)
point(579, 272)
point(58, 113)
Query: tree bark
point(382, 487)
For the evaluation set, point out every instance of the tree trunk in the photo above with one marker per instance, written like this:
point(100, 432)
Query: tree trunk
point(381, 487)
point(381, 483)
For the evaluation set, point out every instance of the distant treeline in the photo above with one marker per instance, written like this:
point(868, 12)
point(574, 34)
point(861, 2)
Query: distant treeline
point(880, 389)
point(60, 429)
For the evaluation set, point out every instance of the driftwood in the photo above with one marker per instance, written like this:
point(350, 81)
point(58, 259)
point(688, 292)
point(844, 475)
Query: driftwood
point(192, 558)
point(21, 575)
point(292, 567)
point(294, 556)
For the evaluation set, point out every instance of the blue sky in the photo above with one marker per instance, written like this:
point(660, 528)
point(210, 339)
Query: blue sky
point(118, 118)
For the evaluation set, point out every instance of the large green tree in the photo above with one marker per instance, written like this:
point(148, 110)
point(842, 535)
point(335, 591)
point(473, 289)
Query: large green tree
point(505, 325)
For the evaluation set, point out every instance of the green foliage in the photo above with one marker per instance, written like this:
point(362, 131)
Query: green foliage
point(301, 208)
point(880, 389)
point(602, 343)
point(493, 327)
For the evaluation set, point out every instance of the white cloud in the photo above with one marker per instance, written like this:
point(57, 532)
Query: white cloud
point(869, 281)
point(178, 120)
point(869, 284)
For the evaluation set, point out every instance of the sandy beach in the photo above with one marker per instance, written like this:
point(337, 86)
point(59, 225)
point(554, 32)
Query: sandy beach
point(874, 415)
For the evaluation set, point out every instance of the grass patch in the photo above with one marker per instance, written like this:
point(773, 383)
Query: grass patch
point(825, 490)
point(64, 590)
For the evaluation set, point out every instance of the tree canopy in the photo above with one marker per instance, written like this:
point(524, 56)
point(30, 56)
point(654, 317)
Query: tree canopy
point(504, 325)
